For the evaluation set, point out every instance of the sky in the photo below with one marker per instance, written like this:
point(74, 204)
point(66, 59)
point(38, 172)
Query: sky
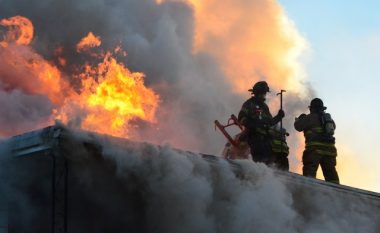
point(342, 65)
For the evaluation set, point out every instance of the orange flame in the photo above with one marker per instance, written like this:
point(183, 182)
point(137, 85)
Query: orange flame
point(22, 67)
point(20, 30)
point(89, 41)
point(112, 96)
point(119, 93)
point(58, 54)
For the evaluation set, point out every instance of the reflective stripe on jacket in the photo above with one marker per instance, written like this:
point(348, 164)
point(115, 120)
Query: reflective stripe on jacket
point(315, 138)
point(276, 146)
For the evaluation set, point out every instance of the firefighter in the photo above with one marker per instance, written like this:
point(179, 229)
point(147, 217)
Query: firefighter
point(280, 149)
point(257, 119)
point(318, 128)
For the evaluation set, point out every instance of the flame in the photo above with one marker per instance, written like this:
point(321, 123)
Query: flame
point(58, 54)
point(89, 41)
point(119, 93)
point(111, 97)
point(20, 30)
point(23, 68)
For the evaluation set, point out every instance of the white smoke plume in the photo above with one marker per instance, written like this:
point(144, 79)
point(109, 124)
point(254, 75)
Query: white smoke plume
point(181, 192)
point(121, 186)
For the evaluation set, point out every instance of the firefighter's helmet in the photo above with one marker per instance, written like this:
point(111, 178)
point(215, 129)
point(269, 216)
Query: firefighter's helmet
point(317, 104)
point(260, 87)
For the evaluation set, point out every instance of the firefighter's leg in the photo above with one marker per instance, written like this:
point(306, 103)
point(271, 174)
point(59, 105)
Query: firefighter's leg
point(310, 163)
point(255, 143)
point(250, 142)
point(260, 150)
point(267, 156)
point(328, 164)
point(253, 149)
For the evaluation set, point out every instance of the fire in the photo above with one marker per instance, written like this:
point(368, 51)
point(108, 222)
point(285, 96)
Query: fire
point(90, 41)
point(23, 68)
point(117, 97)
point(111, 95)
point(110, 98)
point(20, 30)
point(58, 54)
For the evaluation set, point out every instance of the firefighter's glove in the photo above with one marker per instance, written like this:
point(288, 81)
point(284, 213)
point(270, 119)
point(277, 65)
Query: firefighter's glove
point(281, 114)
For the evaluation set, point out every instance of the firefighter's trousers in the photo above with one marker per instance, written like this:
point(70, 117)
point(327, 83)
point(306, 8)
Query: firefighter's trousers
point(312, 159)
point(261, 149)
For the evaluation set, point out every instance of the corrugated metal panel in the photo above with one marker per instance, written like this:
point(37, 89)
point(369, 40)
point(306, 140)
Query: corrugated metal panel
point(34, 142)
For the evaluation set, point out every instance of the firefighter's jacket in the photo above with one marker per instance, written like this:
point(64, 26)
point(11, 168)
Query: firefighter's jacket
point(316, 138)
point(279, 145)
point(256, 117)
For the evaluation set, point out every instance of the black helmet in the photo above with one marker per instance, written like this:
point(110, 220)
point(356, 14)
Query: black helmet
point(317, 104)
point(260, 88)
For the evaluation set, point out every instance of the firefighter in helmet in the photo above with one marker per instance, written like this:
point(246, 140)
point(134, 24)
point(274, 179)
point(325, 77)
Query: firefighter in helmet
point(280, 149)
point(257, 119)
point(318, 128)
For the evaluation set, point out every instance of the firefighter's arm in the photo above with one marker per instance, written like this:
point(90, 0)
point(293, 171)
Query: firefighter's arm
point(247, 122)
point(300, 122)
point(244, 118)
point(278, 117)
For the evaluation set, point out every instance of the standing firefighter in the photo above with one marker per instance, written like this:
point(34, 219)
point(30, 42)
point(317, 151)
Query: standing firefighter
point(256, 118)
point(318, 128)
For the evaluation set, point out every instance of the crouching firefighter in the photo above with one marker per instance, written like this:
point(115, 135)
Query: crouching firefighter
point(318, 128)
point(257, 119)
point(280, 149)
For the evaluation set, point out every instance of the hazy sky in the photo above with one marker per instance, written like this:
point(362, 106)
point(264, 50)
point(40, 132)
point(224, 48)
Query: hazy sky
point(343, 66)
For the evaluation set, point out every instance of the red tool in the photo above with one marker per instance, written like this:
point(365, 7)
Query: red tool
point(232, 121)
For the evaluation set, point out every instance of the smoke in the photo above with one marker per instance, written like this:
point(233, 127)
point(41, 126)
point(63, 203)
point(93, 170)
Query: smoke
point(28, 93)
point(22, 112)
point(199, 56)
point(121, 186)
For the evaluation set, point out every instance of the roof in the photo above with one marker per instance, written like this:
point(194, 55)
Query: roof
point(122, 170)
point(54, 137)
